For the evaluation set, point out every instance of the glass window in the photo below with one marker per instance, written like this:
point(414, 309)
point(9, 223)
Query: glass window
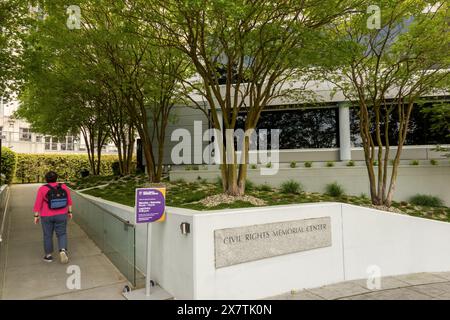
point(48, 141)
point(24, 134)
point(54, 143)
point(70, 143)
point(300, 128)
point(62, 142)
point(419, 130)
point(38, 138)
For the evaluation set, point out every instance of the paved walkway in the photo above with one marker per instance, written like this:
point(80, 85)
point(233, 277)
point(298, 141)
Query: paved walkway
point(26, 276)
point(418, 286)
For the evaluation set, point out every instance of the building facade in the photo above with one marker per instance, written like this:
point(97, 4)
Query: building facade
point(324, 131)
point(17, 135)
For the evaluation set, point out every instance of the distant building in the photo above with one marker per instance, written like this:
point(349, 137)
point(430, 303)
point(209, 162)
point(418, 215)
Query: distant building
point(17, 135)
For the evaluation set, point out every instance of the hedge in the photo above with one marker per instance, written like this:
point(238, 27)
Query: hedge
point(33, 167)
point(9, 162)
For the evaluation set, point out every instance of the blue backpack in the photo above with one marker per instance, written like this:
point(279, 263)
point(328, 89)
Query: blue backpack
point(56, 197)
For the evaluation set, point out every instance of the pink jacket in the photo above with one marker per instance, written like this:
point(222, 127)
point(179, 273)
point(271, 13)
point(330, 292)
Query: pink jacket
point(41, 206)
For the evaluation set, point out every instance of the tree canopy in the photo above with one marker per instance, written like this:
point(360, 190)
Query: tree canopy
point(389, 69)
point(244, 52)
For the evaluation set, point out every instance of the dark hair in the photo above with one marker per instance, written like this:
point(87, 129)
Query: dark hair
point(51, 176)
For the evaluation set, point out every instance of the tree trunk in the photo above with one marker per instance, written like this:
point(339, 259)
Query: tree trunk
point(89, 148)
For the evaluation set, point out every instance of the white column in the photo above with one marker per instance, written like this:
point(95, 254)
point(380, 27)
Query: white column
point(344, 132)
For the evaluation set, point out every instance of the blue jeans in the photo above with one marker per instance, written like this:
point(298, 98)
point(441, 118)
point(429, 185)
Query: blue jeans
point(58, 224)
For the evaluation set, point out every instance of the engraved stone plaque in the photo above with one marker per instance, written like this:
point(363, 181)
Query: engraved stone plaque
point(250, 243)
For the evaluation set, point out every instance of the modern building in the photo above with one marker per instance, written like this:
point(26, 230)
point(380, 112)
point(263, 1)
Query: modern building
point(324, 131)
point(321, 133)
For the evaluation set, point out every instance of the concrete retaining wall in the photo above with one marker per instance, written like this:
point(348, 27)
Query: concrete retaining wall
point(424, 179)
point(361, 237)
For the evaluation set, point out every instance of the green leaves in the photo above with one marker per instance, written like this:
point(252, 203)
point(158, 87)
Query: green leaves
point(9, 163)
point(439, 115)
point(13, 20)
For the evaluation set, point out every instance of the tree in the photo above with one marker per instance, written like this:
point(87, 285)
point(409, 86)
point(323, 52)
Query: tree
point(59, 95)
point(52, 107)
point(126, 81)
point(145, 74)
point(389, 70)
point(13, 19)
point(243, 52)
point(122, 131)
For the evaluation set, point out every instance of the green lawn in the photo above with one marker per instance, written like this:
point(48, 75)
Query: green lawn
point(187, 195)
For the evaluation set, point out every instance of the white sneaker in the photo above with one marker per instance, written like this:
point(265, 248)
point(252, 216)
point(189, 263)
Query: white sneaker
point(64, 258)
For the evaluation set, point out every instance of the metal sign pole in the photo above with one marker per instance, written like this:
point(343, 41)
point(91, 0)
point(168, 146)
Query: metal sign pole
point(149, 260)
point(150, 208)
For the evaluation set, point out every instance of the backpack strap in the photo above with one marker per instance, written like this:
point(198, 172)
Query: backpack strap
point(51, 188)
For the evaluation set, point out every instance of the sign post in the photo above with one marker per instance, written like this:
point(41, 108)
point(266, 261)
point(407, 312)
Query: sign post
point(150, 207)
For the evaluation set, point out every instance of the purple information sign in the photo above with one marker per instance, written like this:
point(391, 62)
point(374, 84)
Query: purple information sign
point(150, 204)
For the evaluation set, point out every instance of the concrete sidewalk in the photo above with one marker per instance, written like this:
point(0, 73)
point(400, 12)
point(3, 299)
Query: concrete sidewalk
point(26, 276)
point(418, 286)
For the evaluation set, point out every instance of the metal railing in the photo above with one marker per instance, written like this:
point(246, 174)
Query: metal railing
point(4, 200)
point(115, 236)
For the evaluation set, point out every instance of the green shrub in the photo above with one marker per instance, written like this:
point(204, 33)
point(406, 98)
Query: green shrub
point(195, 196)
point(293, 164)
point(334, 190)
point(351, 163)
point(426, 200)
point(330, 164)
point(269, 165)
point(363, 196)
point(375, 163)
point(195, 167)
point(115, 166)
point(9, 164)
point(291, 186)
point(264, 187)
point(253, 166)
point(33, 167)
point(434, 162)
point(219, 181)
point(308, 164)
point(249, 185)
point(414, 163)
